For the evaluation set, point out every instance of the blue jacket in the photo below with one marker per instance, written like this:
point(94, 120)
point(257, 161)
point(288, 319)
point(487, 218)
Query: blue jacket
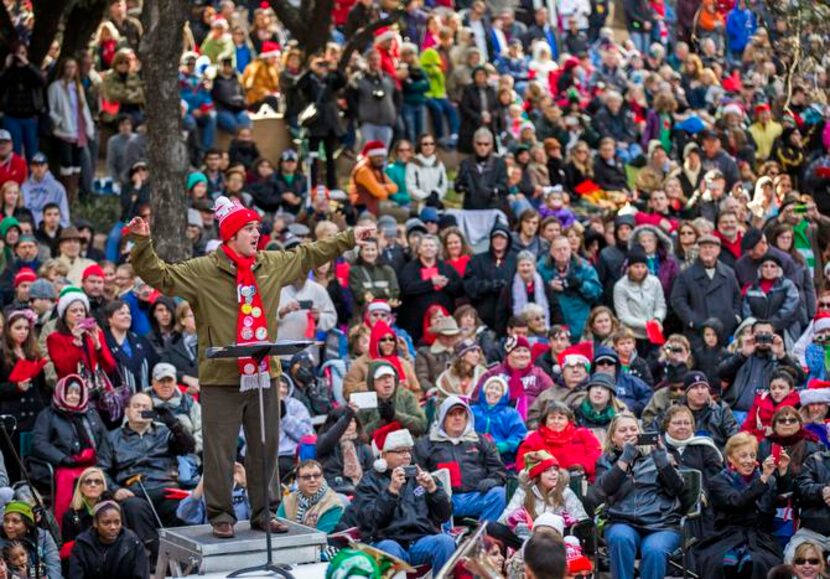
point(816, 366)
point(141, 321)
point(502, 422)
point(581, 293)
point(740, 26)
point(631, 390)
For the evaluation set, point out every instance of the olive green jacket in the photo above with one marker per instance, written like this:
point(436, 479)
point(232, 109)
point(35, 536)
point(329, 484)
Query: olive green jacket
point(209, 285)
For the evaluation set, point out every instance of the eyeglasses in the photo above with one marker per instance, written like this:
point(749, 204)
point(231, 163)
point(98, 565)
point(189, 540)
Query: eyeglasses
point(687, 232)
point(824, 305)
point(387, 340)
point(400, 451)
point(787, 421)
point(810, 561)
point(94, 481)
point(604, 363)
point(313, 476)
point(583, 576)
point(427, 144)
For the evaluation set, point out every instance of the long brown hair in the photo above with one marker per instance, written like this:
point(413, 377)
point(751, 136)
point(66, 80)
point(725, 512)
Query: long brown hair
point(555, 497)
point(30, 348)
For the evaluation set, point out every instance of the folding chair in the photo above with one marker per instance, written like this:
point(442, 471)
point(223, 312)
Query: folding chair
point(691, 505)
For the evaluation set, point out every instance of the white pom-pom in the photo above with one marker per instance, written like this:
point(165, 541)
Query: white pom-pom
point(380, 465)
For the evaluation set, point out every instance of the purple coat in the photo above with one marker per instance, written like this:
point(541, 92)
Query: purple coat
point(668, 268)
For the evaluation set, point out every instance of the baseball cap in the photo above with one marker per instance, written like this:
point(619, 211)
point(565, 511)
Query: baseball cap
point(5, 135)
point(384, 370)
point(39, 159)
point(164, 370)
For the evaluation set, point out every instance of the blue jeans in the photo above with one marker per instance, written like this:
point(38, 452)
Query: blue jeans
point(640, 39)
point(231, 122)
point(432, 550)
point(372, 132)
point(438, 109)
point(629, 153)
point(24, 135)
point(655, 548)
point(207, 124)
point(484, 507)
point(413, 120)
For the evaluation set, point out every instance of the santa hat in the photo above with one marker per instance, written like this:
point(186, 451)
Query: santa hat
point(537, 462)
point(270, 49)
point(68, 296)
point(232, 216)
point(93, 269)
point(374, 149)
point(760, 108)
point(24, 274)
point(383, 34)
point(581, 353)
point(577, 562)
point(821, 322)
point(817, 392)
point(379, 306)
point(393, 436)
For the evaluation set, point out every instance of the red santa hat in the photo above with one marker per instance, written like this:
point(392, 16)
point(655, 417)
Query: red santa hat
point(24, 274)
point(270, 49)
point(817, 392)
point(577, 562)
point(232, 216)
point(581, 353)
point(393, 436)
point(383, 34)
point(760, 108)
point(93, 269)
point(374, 149)
point(821, 322)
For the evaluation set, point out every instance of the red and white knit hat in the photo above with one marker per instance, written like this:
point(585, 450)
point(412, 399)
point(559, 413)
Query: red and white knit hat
point(374, 149)
point(817, 392)
point(232, 216)
point(393, 436)
point(577, 562)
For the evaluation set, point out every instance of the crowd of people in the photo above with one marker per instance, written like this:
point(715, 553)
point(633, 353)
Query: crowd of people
point(601, 273)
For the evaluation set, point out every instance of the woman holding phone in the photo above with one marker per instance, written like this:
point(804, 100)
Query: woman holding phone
point(642, 488)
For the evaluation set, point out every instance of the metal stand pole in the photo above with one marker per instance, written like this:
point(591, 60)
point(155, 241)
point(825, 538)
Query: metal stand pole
point(269, 565)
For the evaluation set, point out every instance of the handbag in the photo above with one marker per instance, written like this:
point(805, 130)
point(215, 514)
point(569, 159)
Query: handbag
point(110, 401)
point(311, 113)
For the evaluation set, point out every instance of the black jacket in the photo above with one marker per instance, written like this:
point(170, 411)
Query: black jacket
point(610, 268)
point(484, 185)
point(470, 110)
point(418, 294)
point(695, 298)
point(92, 559)
point(484, 279)
point(267, 193)
point(24, 406)
point(717, 421)
point(405, 518)
point(58, 435)
point(178, 355)
point(476, 460)
point(745, 376)
point(227, 94)
point(21, 91)
point(809, 484)
point(330, 454)
point(322, 92)
point(608, 176)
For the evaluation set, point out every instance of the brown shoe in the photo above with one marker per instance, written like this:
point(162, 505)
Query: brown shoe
point(223, 530)
point(276, 525)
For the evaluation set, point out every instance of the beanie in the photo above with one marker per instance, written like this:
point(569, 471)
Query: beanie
point(637, 257)
point(68, 296)
point(751, 239)
point(195, 178)
point(603, 381)
point(42, 289)
point(538, 462)
point(25, 274)
point(22, 508)
point(232, 216)
point(374, 149)
point(514, 343)
point(93, 269)
point(390, 437)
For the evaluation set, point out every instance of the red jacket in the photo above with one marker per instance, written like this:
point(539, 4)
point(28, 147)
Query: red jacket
point(759, 418)
point(14, 169)
point(65, 355)
point(573, 446)
point(643, 218)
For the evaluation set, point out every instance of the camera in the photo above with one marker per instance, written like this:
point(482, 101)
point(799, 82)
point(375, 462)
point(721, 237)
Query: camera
point(674, 349)
point(378, 93)
point(648, 439)
point(149, 414)
point(763, 339)
point(410, 471)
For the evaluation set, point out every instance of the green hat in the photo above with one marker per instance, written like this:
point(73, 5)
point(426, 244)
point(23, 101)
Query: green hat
point(7, 224)
point(194, 178)
point(352, 563)
point(22, 508)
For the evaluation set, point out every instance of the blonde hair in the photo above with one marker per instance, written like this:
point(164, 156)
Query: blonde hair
point(608, 443)
point(738, 441)
point(181, 310)
point(804, 548)
point(78, 501)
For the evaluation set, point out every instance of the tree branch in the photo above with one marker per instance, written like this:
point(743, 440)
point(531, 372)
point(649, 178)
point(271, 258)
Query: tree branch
point(290, 17)
point(7, 30)
point(81, 24)
point(317, 36)
point(48, 15)
point(362, 37)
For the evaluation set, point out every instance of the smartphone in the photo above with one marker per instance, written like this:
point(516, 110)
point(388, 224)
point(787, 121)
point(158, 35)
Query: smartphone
point(410, 471)
point(800, 209)
point(776, 452)
point(87, 323)
point(648, 438)
point(149, 414)
point(306, 304)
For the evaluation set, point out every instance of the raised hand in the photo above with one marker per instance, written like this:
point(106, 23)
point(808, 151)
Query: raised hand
point(365, 233)
point(137, 226)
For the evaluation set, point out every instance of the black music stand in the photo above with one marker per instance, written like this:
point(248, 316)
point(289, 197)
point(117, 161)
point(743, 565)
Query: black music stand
point(258, 351)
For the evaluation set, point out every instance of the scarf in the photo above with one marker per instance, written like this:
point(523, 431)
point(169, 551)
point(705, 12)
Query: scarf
point(520, 298)
point(352, 469)
point(304, 503)
point(681, 445)
point(515, 377)
point(379, 330)
point(600, 417)
point(251, 326)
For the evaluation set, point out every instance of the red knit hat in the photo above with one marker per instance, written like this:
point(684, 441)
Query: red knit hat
point(374, 149)
point(93, 269)
point(538, 462)
point(232, 216)
point(760, 108)
point(516, 342)
point(23, 275)
point(577, 562)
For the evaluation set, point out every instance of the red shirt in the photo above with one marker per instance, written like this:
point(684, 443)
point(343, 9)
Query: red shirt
point(65, 355)
point(14, 169)
point(734, 247)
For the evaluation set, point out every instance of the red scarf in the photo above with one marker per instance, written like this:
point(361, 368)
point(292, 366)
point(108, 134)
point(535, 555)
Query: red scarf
point(380, 330)
point(251, 326)
point(517, 387)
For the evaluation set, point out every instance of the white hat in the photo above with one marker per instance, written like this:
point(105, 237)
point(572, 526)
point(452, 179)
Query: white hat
point(555, 522)
point(68, 296)
point(384, 370)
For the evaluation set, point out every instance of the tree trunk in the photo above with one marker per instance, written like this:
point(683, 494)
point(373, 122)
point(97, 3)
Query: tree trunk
point(48, 15)
point(363, 36)
point(309, 25)
point(161, 49)
point(81, 24)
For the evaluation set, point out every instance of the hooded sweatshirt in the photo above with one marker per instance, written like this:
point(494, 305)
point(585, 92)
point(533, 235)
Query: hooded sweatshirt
point(499, 422)
point(36, 194)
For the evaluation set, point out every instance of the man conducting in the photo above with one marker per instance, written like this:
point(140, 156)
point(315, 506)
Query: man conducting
point(234, 293)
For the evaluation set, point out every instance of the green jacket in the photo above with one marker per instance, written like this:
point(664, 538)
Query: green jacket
point(397, 172)
point(209, 285)
point(431, 63)
point(407, 409)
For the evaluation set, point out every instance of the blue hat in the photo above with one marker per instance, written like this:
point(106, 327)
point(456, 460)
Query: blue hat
point(429, 215)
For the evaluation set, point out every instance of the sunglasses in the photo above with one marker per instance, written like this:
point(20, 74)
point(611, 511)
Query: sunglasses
point(604, 363)
point(387, 339)
point(787, 420)
point(427, 144)
point(319, 475)
point(583, 576)
point(94, 481)
point(810, 561)
point(824, 304)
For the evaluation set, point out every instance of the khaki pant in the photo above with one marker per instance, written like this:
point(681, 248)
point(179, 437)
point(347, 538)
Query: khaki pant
point(224, 410)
